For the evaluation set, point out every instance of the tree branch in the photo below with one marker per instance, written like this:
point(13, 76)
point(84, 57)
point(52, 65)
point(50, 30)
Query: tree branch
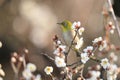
point(114, 17)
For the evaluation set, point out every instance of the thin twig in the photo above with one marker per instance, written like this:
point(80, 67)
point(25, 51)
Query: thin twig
point(72, 42)
point(94, 59)
point(114, 17)
point(81, 74)
point(90, 58)
point(14, 68)
point(19, 66)
point(95, 49)
point(24, 61)
point(15, 71)
point(53, 78)
point(70, 46)
point(102, 73)
point(49, 57)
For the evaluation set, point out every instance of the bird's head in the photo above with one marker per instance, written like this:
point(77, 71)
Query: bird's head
point(66, 25)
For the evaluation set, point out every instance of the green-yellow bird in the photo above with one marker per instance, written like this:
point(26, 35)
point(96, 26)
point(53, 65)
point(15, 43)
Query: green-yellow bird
point(69, 34)
point(67, 31)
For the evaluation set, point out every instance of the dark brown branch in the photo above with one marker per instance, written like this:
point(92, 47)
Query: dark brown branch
point(72, 42)
point(70, 46)
point(96, 47)
point(47, 56)
point(94, 59)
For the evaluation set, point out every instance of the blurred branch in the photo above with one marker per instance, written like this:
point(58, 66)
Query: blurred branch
point(4, 2)
point(114, 17)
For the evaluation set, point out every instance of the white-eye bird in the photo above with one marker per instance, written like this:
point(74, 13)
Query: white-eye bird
point(67, 31)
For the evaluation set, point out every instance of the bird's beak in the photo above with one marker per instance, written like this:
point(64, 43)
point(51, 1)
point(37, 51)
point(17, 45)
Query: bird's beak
point(59, 23)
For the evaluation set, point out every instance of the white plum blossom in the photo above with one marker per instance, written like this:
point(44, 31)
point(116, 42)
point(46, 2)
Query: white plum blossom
point(81, 30)
point(76, 25)
point(94, 75)
point(0, 44)
point(2, 73)
point(27, 74)
point(1, 78)
point(113, 68)
point(105, 63)
point(38, 77)
point(111, 76)
point(112, 72)
point(89, 48)
point(48, 70)
point(31, 67)
point(103, 45)
point(60, 62)
point(58, 42)
point(112, 31)
point(96, 40)
point(84, 57)
point(15, 54)
point(56, 51)
point(79, 43)
point(61, 48)
point(13, 59)
point(21, 58)
point(113, 56)
point(111, 27)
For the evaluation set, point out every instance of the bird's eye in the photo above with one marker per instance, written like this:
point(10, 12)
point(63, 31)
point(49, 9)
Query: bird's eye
point(65, 24)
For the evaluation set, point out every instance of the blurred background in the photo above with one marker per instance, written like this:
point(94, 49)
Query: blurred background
point(31, 24)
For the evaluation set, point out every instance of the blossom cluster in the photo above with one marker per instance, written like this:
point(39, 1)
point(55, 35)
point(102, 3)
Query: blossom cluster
point(102, 68)
point(18, 61)
point(28, 72)
point(61, 50)
point(94, 72)
point(20, 64)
